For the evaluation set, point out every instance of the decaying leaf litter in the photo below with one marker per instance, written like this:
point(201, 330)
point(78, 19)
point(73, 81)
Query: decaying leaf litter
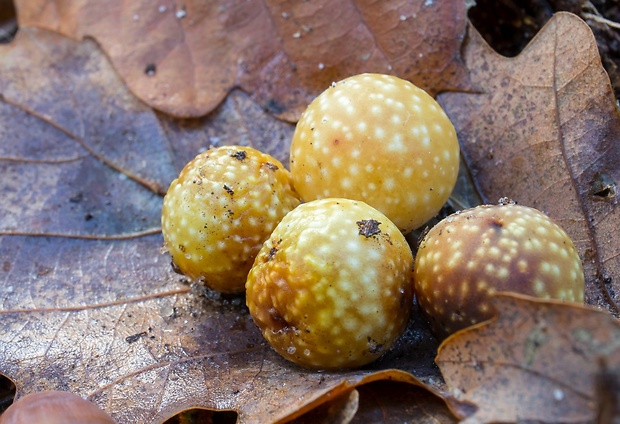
point(101, 253)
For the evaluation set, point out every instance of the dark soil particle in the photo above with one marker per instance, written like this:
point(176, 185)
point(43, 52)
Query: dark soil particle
point(240, 155)
point(368, 227)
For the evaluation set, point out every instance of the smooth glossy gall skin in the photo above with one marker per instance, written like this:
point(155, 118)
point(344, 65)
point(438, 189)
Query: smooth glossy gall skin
point(220, 210)
point(471, 255)
point(379, 139)
point(54, 407)
point(331, 288)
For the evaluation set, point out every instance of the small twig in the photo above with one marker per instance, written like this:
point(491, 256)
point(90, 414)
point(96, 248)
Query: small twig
point(153, 186)
point(113, 237)
point(601, 20)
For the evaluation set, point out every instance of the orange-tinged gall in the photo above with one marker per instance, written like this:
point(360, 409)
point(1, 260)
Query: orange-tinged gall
point(473, 254)
point(379, 139)
point(332, 286)
point(220, 210)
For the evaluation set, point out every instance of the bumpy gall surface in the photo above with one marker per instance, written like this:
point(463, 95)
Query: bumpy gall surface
point(480, 251)
point(332, 286)
point(379, 139)
point(220, 210)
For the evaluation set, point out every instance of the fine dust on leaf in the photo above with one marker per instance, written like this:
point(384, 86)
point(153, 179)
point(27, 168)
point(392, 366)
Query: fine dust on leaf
point(284, 53)
point(536, 361)
point(543, 130)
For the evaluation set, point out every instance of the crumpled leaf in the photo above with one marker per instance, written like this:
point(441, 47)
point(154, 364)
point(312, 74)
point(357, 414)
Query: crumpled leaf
point(543, 130)
point(183, 58)
point(88, 303)
point(537, 361)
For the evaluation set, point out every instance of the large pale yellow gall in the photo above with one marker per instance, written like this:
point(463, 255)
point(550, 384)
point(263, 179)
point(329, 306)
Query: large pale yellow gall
point(379, 139)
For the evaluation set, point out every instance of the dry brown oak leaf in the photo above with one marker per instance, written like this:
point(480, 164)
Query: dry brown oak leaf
point(543, 129)
point(183, 58)
point(88, 303)
point(537, 361)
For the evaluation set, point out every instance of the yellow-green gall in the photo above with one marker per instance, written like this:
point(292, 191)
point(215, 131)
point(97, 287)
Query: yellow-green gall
point(219, 211)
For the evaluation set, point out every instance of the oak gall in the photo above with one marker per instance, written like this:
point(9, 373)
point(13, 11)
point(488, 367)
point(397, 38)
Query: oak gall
point(469, 256)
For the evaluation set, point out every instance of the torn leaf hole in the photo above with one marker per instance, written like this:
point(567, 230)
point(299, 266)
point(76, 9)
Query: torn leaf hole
point(603, 186)
point(199, 415)
point(150, 69)
point(7, 393)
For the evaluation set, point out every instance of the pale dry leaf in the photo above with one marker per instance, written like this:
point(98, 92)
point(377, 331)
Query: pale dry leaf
point(537, 361)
